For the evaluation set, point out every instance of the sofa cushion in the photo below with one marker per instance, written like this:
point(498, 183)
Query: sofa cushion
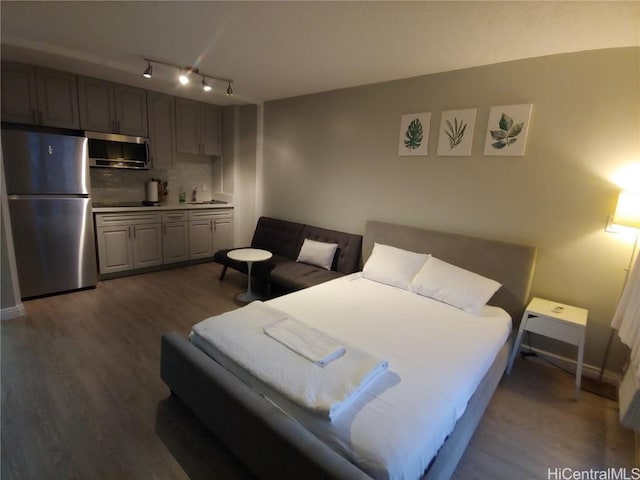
point(280, 237)
point(296, 275)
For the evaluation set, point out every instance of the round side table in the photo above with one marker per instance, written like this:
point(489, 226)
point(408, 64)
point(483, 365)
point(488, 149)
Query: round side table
point(249, 255)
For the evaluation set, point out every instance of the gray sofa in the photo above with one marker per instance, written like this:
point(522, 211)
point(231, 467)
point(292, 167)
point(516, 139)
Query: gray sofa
point(284, 240)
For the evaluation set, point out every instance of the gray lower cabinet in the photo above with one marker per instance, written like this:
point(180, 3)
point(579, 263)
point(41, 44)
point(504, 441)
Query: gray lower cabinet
point(135, 240)
point(175, 236)
point(112, 107)
point(222, 233)
point(39, 96)
point(210, 231)
point(128, 241)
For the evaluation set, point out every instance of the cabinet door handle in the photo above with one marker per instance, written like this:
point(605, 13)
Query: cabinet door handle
point(129, 231)
point(134, 231)
point(210, 225)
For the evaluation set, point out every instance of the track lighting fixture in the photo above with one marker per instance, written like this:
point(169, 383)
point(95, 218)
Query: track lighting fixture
point(185, 72)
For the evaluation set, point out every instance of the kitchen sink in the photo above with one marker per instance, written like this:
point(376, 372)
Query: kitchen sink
point(208, 202)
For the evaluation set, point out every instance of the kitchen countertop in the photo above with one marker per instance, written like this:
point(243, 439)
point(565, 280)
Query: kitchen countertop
point(132, 207)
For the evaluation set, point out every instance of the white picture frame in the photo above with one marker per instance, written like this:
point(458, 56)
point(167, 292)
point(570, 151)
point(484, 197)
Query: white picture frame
point(507, 130)
point(414, 134)
point(455, 136)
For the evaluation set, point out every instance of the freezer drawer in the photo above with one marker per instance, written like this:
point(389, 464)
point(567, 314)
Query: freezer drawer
point(54, 244)
point(45, 164)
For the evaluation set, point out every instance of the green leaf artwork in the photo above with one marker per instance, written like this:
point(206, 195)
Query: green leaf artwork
point(455, 132)
point(413, 135)
point(508, 132)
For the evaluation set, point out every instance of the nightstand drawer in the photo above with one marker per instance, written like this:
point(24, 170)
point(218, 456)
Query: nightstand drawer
point(555, 329)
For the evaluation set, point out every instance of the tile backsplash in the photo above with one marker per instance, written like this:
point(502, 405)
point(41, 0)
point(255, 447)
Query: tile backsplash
point(122, 185)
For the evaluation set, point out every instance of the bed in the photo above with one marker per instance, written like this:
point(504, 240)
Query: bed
point(275, 444)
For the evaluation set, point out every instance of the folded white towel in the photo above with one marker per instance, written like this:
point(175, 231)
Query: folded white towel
point(239, 336)
point(305, 341)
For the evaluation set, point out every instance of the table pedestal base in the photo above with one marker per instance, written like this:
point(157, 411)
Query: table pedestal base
point(248, 296)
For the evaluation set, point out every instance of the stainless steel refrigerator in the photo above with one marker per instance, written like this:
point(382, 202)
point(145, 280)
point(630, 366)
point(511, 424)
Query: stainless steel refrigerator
point(49, 192)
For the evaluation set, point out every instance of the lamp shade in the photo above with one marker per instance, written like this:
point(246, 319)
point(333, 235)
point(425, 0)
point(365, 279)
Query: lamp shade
point(628, 209)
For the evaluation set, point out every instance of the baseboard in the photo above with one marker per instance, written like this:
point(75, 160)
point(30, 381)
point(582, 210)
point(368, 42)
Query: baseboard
point(13, 312)
point(590, 371)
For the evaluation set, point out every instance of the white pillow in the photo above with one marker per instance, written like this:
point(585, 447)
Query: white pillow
point(393, 266)
point(319, 254)
point(456, 286)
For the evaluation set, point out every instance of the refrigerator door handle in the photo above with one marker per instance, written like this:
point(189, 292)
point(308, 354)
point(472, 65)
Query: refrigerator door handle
point(46, 197)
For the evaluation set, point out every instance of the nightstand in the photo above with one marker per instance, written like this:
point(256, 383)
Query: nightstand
point(556, 320)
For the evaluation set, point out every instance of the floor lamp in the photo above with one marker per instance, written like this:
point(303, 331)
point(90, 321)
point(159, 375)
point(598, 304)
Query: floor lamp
point(627, 215)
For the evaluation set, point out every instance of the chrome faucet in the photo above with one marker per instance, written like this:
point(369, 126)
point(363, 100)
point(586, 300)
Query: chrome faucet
point(194, 194)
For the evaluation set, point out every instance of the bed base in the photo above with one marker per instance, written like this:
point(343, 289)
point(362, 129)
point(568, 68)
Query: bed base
point(273, 445)
point(268, 442)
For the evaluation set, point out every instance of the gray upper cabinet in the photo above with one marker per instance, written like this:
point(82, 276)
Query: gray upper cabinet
point(198, 127)
point(111, 107)
point(131, 110)
point(210, 129)
point(39, 96)
point(161, 115)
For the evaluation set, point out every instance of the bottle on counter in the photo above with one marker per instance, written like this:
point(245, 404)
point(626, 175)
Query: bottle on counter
point(182, 196)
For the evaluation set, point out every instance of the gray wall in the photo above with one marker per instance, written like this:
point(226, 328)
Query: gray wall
point(240, 133)
point(331, 159)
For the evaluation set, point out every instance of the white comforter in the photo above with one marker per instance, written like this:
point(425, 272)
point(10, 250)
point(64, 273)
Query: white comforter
point(437, 356)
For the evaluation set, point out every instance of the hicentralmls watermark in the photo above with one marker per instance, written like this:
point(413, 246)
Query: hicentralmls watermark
point(566, 473)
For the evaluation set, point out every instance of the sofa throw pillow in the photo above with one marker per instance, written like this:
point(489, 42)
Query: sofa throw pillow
point(316, 253)
point(393, 266)
point(453, 285)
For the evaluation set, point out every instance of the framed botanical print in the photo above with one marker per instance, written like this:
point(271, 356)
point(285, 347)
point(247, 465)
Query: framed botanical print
point(414, 134)
point(507, 130)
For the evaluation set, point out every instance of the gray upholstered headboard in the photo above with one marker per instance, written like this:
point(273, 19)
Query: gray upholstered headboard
point(510, 264)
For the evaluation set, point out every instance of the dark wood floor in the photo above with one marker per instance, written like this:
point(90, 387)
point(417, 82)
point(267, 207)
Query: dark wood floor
point(82, 397)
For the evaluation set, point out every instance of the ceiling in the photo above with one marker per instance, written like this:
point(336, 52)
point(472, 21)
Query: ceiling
point(282, 49)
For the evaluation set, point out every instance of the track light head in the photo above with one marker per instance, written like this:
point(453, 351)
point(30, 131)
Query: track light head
point(205, 86)
point(183, 78)
point(148, 71)
point(229, 90)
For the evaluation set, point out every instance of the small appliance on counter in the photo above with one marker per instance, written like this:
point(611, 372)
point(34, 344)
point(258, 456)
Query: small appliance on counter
point(151, 193)
point(155, 192)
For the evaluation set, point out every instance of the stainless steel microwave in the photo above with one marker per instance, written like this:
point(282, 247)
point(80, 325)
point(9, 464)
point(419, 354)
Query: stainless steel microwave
point(110, 150)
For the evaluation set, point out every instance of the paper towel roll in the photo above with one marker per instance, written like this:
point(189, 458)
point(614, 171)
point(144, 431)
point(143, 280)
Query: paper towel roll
point(152, 191)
